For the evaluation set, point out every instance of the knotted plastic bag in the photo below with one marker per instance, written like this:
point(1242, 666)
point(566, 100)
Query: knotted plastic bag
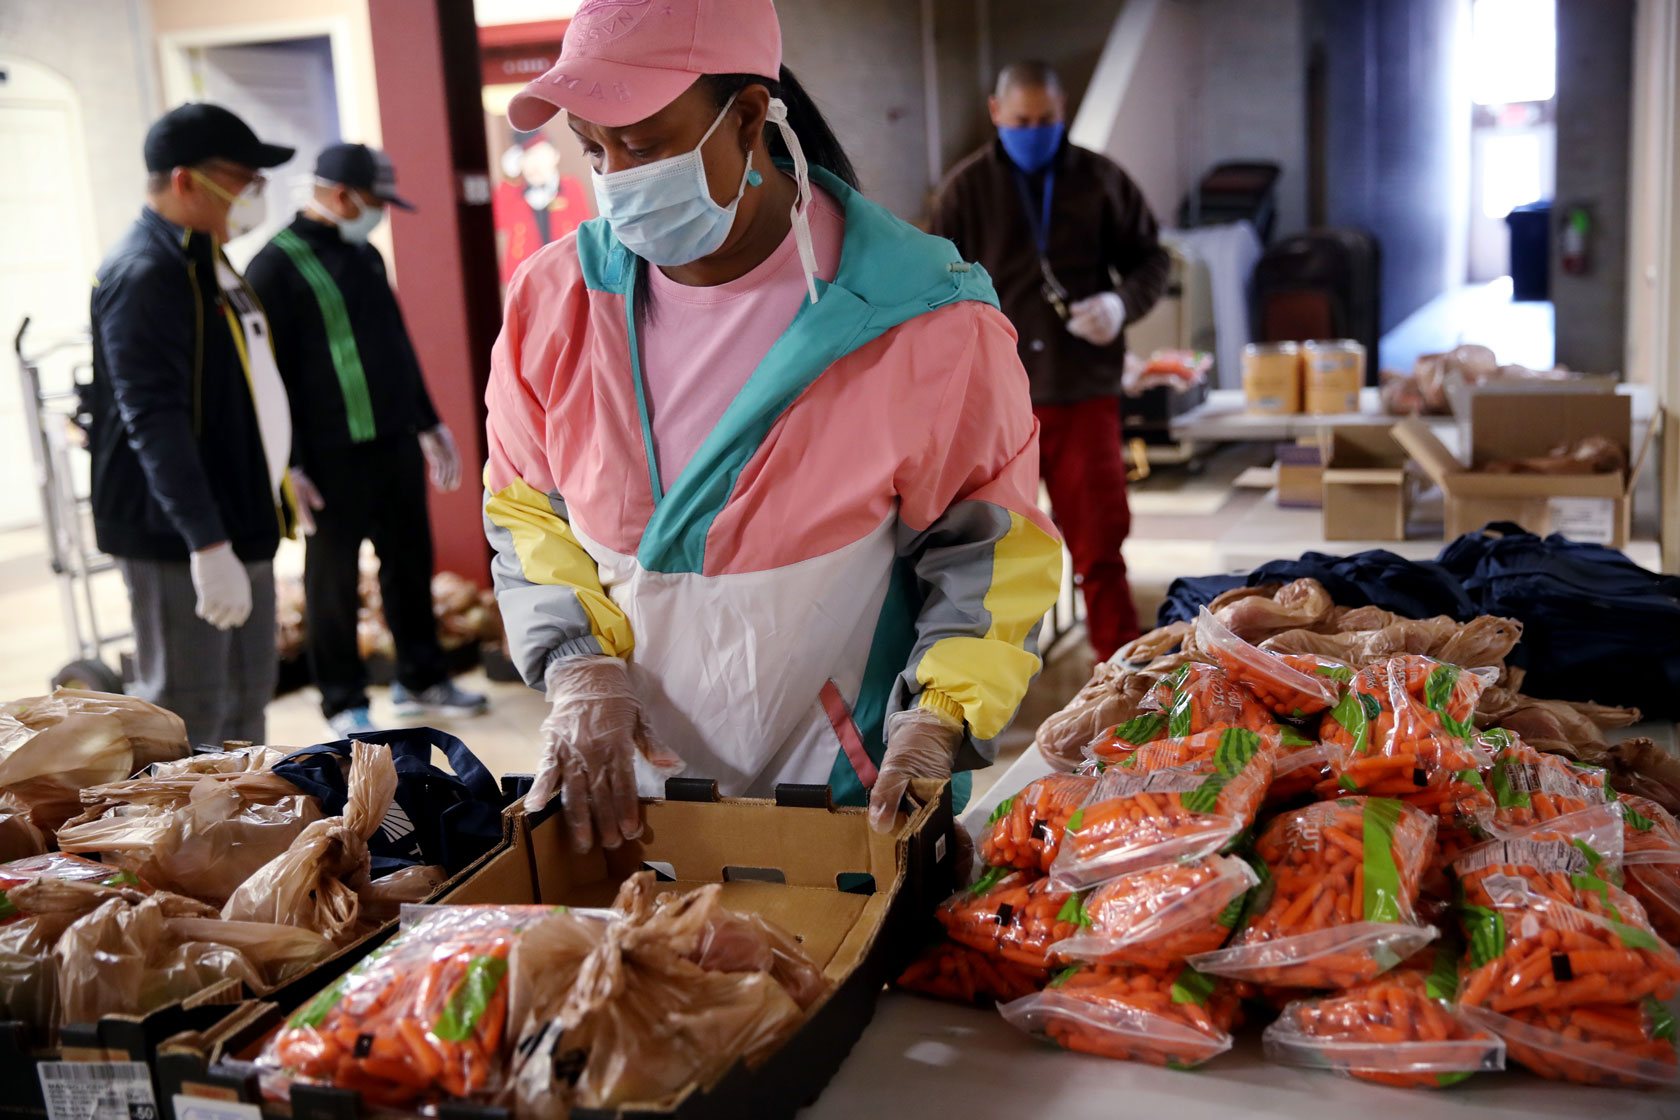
point(52, 747)
point(317, 882)
point(200, 832)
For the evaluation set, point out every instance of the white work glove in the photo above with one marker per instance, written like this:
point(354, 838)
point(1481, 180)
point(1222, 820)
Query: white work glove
point(308, 500)
point(223, 586)
point(921, 743)
point(442, 460)
point(1097, 319)
point(593, 732)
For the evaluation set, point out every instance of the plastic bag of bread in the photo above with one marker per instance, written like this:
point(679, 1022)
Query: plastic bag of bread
point(18, 835)
point(317, 882)
point(198, 828)
point(698, 927)
point(52, 747)
point(125, 959)
point(652, 1021)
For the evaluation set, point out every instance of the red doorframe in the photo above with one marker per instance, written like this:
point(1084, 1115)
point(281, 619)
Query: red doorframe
point(426, 64)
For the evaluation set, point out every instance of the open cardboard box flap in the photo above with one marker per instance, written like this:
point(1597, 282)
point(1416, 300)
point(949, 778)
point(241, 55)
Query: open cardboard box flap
point(1427, 449)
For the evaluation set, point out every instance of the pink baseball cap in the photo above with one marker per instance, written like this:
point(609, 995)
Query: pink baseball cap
point(624, 60)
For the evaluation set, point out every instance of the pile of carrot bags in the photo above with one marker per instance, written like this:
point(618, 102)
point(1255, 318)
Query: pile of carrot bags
point(1331, 849)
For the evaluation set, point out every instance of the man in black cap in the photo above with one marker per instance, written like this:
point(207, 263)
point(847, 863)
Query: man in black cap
point(191, 430)
point(366, 434)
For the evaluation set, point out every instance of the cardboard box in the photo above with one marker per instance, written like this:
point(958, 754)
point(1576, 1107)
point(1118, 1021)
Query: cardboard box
point(1595, 508)
point(1272, 377)
point(860, 901)
point(1300, 474)
point(1366, 497)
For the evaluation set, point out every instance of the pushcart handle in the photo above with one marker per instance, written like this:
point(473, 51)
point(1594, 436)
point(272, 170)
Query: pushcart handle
point(17, 343)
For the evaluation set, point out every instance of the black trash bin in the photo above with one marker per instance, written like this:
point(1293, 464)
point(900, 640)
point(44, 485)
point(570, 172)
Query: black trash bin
point(1531, 251)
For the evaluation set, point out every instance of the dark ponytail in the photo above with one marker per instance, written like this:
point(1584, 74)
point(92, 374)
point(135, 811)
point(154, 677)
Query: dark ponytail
point(817, 140)
point(822, 148)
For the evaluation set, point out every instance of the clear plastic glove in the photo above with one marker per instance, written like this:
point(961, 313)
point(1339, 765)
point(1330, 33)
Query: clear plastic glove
point(223, 586)
point(1097, 319)
point(590, 741)
point(442, 460)
point(921, 743)
point(308, 501)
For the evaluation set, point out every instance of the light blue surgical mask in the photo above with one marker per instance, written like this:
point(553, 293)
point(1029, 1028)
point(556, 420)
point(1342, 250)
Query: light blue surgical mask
point(355, 230)
point(664, 212)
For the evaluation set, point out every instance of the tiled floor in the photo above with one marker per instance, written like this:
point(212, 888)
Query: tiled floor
point(1174, 514)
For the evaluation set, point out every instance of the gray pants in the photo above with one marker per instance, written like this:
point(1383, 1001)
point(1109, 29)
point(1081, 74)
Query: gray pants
point(218, 681)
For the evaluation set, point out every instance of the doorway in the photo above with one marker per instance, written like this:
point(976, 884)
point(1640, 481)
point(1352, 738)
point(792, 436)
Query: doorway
point(295, 83)
point(285, 91)
point(1511, 73)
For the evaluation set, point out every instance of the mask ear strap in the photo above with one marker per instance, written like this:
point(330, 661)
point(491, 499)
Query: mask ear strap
point(802, 201)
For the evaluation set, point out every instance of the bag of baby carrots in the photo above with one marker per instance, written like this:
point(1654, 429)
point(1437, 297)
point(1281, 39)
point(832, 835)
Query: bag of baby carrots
point(952, 971)
point(1284, 688)
point(1197, 697)
point(1404, 727)
point(1157, 917)
point(1651, 858)
point(1025, 831)
point(1016, 915)
point(1547, 928)
point(423, 1016)
point(1115, 744)
point(1174, 1017)
point(1175, 800)
point(1624, 1044)
point(1343, 881)
point(1400, 1029)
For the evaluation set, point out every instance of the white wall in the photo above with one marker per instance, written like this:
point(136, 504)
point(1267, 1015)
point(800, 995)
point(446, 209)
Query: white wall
point(1250, 95)
point(104, 54)
point(1187, 84)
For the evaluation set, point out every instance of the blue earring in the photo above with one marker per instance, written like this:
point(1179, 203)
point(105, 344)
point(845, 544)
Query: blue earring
point(754, 178)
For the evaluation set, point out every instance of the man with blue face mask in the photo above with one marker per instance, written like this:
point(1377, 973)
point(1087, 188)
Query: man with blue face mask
point(365, 435)
point(1073, 249)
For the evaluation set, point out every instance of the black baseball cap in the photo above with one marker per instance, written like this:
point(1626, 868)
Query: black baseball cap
point(199, 131)
point(361, 167)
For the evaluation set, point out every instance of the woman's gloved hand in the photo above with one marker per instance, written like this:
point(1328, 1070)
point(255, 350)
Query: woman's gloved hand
point(921, 743)
point(590, 740)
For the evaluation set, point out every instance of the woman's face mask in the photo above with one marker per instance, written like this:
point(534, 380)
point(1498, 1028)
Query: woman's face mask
point(246, 210)
point(664, 212)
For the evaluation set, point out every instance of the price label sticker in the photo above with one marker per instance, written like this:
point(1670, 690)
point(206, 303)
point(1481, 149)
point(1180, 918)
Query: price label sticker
point(1590, 520)
point(97, 1091)
point(205, 1108)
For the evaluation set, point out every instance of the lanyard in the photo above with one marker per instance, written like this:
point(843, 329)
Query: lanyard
point(1041, 227)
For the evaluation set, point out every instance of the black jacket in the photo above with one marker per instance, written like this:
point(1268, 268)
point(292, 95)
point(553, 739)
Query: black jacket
point(396, 401)
point(177, 455)
point(1100, 226)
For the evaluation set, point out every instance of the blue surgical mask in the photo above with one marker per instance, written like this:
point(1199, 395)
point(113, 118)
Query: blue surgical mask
point(1033, 147)
point(664, 212)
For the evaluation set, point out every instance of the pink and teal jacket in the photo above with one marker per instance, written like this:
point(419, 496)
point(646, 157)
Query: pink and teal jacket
point(859, 534)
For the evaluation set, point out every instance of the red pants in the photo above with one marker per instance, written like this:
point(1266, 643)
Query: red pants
point(1081, 462)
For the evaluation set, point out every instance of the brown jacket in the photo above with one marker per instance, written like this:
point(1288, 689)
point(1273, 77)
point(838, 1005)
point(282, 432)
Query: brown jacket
point(1102, 238)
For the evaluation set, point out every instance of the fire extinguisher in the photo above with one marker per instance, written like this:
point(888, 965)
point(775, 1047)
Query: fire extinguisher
point(1577, 240)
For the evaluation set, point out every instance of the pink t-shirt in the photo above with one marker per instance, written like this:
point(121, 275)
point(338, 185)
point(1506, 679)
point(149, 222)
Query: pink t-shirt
point(702, 344)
